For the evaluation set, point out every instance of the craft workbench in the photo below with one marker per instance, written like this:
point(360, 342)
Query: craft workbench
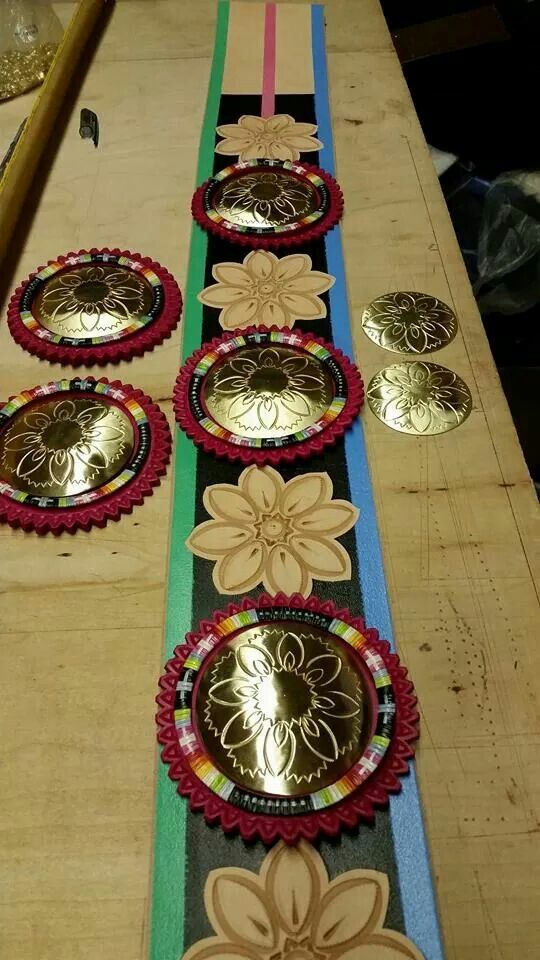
point(82, 617)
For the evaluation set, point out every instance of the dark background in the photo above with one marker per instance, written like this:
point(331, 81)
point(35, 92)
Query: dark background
point(473, 70)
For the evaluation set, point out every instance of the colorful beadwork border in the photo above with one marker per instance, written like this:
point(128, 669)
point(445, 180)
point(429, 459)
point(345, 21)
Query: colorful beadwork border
point(135, 481)
point(297, 169)
point(143, 334)
point(352, 798)
point(292, 234)
point(192, 417)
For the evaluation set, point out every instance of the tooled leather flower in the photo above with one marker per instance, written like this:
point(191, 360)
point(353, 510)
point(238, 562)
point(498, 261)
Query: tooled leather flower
point(282, 535)
point(278, 137)
point(291, 911)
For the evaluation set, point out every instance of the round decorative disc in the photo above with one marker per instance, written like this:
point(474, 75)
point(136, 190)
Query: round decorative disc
point(268, 203)
point(408, 322)
point(419, 398)
point(267, 395)
point(77, 453)
point(287, 718)
point(100, 307)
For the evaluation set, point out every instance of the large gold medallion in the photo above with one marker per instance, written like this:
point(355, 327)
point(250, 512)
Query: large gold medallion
point(284, 717)
point(93, 307)
point(268, 392)
point(92, 300)
point(271, 203)
point(265, 199)
point(62, 447)
point(264, 395)
point(282, 710)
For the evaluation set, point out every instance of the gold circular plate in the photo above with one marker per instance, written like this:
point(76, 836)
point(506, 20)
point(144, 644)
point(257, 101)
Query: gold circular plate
point(283, 709)
point(265, 199)
point(409, 322)
point(268, 392)
point(65, 446)
point(92, 300)
point(419, 398)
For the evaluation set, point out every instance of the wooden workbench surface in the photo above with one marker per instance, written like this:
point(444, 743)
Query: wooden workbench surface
point(458, 518)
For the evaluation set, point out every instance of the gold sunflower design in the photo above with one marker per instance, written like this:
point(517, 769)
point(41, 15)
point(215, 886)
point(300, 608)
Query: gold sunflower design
point(268, 392)
point(280, 534)
point(265, 199)
point(92, 300)
point(284, 708)
point(419, 397)
point(292, 911)
point(66, 447)
point(408, 322)
point(278, 137)
point(267, 290)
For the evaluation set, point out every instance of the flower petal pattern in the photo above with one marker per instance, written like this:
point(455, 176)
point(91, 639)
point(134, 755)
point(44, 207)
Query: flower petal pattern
point(267, 290)
point(278, 137)
point(291, 909)
point(280, 534)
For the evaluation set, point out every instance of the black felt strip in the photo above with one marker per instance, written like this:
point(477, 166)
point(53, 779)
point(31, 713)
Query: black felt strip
point(208, 848)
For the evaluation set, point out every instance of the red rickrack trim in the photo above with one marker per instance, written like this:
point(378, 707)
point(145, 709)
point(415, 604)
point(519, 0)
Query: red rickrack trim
point(59, 520)
point(248, 455)
point(295, 238)
point(358, 806)
point(133, 345)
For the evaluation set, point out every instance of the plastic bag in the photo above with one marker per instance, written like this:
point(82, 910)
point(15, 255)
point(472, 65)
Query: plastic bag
point(30, 33)
point(509, 245)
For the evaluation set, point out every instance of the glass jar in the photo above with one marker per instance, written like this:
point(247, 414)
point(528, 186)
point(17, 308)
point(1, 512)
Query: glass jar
point(30, 33)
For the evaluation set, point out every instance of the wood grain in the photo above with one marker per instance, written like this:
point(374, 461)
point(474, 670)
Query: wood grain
point(82, 617)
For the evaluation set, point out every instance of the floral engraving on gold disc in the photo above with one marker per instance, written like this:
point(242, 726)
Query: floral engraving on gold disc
point(267, 392)
point(291, 911)
point(408, 322)
point(60, 448)
point(419, 398)
point(263, 199)
point(278, 137)
point(281, 709)
point(89, 301)
point(282, 535)
point(267, 290)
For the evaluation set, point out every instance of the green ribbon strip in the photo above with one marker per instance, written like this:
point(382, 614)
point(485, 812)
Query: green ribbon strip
point(167, 924)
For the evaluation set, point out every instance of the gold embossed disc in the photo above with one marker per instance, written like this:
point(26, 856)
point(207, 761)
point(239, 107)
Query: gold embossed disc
point(283, 709)
point(419, 398)
point(267, 392)
point(265, 199)
point(92, 300)
point(62, 446)
point(409, 322)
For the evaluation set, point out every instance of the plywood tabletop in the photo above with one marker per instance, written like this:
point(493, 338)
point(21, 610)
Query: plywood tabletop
point(458, 518)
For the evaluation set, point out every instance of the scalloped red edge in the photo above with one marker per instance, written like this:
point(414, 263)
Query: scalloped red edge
point(247, 455)
point(71, 519)
point(347, 813)
point(133, 346)
point(295, 239)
